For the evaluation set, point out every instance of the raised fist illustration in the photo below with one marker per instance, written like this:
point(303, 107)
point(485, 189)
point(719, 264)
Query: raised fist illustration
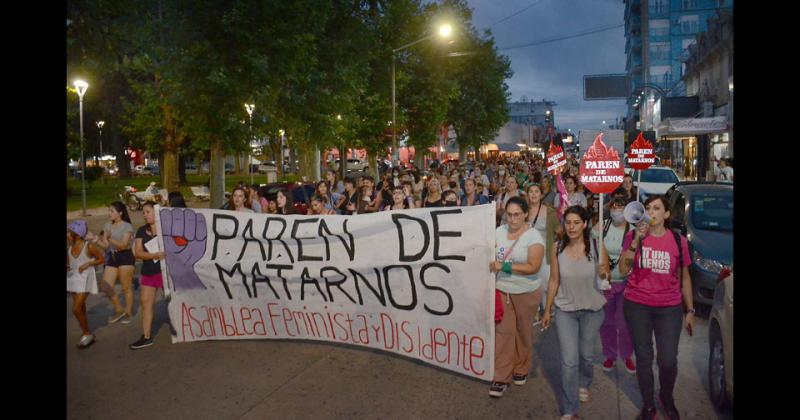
point(185, 243)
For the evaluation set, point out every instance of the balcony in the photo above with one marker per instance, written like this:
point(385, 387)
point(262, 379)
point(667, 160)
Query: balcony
point(633, 7)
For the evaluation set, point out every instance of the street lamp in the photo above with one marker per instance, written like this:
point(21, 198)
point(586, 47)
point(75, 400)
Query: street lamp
point(444, 31)
point(81, 87)
point(100, 125)
point(250, 108)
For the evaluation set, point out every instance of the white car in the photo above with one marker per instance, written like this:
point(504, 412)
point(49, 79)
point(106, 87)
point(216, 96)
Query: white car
point(656, 180)
point(353, 165)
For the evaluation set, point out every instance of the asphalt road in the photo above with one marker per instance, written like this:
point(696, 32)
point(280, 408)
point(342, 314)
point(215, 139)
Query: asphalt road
point(258, 379)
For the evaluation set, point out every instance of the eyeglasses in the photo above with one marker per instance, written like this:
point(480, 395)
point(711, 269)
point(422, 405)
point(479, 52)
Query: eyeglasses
point(515, 215)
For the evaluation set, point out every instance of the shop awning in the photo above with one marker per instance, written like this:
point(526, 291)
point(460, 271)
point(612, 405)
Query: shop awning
point(503, 147)
point(692, 126)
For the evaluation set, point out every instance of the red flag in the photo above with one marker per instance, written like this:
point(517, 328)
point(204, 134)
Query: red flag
point(563, 202)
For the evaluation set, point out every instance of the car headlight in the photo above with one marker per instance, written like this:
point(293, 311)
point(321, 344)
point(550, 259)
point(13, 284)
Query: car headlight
point(707, 263)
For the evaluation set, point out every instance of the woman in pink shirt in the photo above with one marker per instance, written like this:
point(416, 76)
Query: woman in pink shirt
point(658, 284)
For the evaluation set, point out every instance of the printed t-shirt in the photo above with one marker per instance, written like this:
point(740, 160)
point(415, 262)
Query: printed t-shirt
point(149, 267)
point(656, 282)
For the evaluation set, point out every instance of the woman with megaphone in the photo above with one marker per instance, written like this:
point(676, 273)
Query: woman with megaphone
point(657, 260)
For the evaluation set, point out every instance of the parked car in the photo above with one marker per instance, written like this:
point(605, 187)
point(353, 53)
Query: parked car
point(720, 340)
point(268, 166)
point(656, 180)
point(703, 211)
point(352, 165)
point(301, 193)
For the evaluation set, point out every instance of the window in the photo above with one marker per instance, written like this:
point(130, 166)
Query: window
point(658, 6)
point(690, 24)
point(689, 4)
point(713, 211)
point(659, 51)
point(659, 27)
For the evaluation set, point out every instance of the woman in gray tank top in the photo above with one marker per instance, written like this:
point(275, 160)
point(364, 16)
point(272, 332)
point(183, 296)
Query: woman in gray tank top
point(576, 263)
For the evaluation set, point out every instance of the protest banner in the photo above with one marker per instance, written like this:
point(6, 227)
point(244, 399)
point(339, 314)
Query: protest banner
point(601, 173)
point(601, 168)
point(413, 282)
point(555, 158)
point(641, 154)
point(641, 157)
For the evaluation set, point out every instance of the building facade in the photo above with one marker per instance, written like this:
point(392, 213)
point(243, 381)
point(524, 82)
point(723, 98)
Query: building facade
point(529, 124)
point(658, 34)
point(709, 76)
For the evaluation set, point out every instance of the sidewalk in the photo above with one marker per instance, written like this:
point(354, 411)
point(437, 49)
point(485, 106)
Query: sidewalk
point(256, 379)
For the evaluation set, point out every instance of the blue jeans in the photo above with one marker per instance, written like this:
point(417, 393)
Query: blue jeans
point(577, 335)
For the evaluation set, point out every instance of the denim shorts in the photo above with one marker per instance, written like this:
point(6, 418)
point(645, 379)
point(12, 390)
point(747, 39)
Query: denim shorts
point(120, 258)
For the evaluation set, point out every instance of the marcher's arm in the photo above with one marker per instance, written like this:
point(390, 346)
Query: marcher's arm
point(552, 287)
point(124, 244)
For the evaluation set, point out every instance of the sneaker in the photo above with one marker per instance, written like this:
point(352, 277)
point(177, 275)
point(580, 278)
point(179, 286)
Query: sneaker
point(647, 413)
point(583, 394)
point(126, 320)
point(141, 343)
point(608, 365)
point(520, 379)
point(86, 341)
point(630, 366)
point(497, 389)
point(113, 319)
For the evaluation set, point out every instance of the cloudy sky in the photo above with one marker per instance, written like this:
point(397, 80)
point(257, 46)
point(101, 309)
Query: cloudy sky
point(555, 70)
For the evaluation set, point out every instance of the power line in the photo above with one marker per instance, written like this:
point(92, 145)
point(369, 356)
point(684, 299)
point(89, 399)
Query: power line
point(563, 37)
point(514, 14)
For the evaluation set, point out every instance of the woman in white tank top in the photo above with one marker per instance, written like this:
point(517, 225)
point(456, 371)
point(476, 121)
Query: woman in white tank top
point(82, 256)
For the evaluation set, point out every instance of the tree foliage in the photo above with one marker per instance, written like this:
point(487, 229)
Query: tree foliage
point(173, 76)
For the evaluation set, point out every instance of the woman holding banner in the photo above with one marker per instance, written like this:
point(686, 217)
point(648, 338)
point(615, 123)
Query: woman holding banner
point(150, 279)
point(658, 284)
point(519, 256)
point(576, 262)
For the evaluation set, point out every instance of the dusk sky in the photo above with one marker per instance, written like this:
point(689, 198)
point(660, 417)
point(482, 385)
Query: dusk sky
point(555, 70)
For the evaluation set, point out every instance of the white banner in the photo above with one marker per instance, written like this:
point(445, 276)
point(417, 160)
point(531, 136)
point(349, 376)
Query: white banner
point(413, 282)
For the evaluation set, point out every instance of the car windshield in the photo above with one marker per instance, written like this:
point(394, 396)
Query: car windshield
point(660, 176)
point(713, 211)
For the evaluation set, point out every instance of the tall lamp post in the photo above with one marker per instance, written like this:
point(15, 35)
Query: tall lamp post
point(250, 108)
point(100, 125)
point(81, 87)
point(444, 32)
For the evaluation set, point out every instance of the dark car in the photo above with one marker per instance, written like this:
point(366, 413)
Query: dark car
point(703, 211)
point(720, 342)
point(301, 193)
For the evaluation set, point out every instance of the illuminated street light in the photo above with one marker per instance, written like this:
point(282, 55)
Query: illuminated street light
point(249, 108)
point(444, 31)
point(81, 87)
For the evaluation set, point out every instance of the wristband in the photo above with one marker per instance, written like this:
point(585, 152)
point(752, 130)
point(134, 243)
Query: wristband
point(507, 267)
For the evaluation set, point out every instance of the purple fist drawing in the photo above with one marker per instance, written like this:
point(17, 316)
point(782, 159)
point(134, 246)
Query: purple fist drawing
point(185, 243)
